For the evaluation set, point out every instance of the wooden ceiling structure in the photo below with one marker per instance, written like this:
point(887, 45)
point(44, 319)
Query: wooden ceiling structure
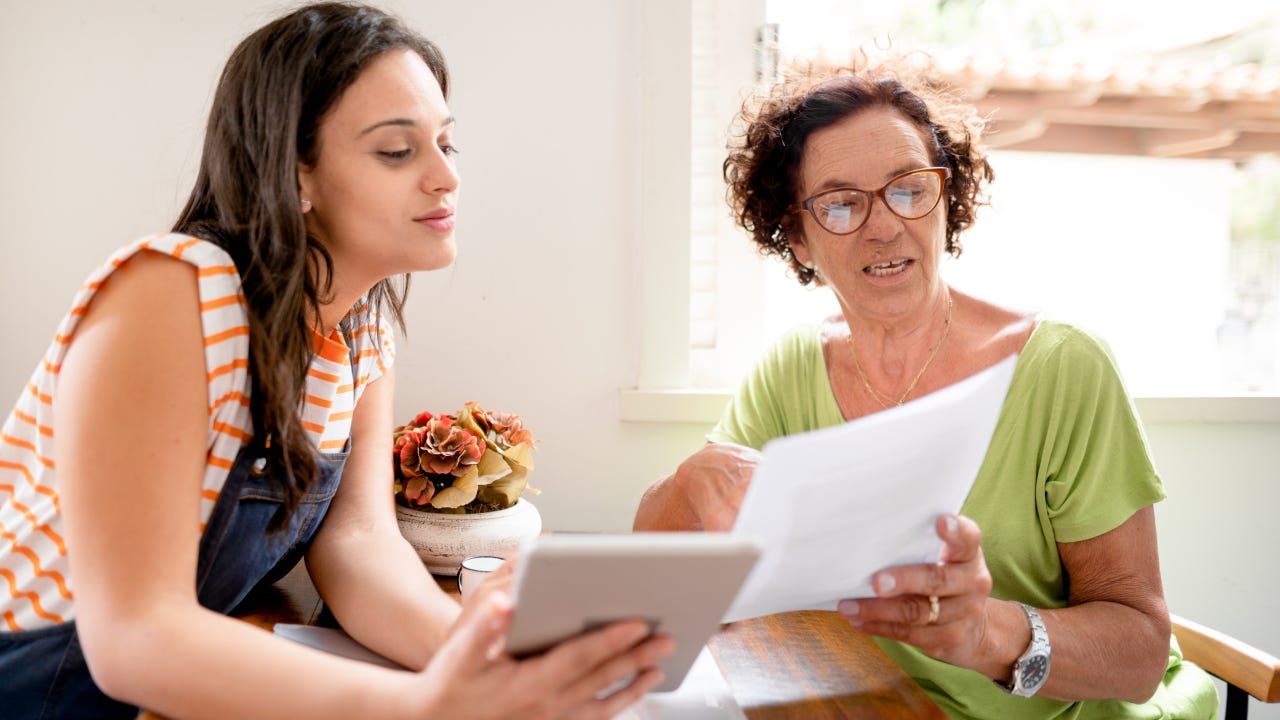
point(1156, 110)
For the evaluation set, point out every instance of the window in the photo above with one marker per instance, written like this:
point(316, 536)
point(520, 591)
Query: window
point(1135, 242)
point(1186, 290)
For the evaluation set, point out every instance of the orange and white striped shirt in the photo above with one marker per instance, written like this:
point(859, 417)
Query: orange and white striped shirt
point(35, 580)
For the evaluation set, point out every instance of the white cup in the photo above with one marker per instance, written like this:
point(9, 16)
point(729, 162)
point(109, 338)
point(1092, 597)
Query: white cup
point(474, 570)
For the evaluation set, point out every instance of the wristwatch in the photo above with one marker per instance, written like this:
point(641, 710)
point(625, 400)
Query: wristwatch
point(1031, 669)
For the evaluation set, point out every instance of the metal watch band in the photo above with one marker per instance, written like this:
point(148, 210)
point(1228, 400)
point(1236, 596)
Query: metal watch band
point(1031, 669)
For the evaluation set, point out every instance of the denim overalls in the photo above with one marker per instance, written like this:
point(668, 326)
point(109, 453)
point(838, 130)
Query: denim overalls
point(43, 672)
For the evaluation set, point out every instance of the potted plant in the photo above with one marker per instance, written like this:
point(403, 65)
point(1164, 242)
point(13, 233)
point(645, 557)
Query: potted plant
point(459, 481)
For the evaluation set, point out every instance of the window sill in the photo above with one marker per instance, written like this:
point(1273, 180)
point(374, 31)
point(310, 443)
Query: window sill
point(704, 407)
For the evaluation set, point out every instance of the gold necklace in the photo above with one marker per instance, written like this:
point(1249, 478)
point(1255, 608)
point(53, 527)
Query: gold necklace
point(946, 329)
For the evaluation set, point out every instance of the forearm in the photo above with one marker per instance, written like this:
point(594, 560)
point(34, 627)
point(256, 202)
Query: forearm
point(704, 493)
point(193, 663)
point(1106, 650)
point(1114, 635)
point(665, 507)
point(381, 593)
point(1101, 650)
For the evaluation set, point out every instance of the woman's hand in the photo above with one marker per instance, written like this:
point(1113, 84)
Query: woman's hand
point(960, 583)
point(705, 492)
point(1111, 641)
point(472, 677)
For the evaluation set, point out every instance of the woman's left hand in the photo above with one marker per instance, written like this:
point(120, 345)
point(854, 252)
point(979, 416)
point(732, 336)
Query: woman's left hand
point(940, 608)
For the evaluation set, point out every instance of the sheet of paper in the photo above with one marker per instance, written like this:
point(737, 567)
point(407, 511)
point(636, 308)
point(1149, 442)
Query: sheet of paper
point(334, 641)
point(704, 695)
point(834, 506)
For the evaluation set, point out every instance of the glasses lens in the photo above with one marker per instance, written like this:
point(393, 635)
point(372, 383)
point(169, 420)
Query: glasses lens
point(841, 211)
point(914, 195)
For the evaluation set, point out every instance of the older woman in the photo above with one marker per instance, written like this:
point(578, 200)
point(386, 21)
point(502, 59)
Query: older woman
point(861, 181)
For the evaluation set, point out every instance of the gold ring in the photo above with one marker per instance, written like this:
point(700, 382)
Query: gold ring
point(933, 610)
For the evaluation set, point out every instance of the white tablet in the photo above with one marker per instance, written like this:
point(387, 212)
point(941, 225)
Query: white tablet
point(681, 583)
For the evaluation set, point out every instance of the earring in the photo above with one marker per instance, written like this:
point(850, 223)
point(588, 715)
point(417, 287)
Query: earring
point(306, 206)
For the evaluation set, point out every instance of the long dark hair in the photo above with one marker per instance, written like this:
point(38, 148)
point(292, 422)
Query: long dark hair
point(278, 85)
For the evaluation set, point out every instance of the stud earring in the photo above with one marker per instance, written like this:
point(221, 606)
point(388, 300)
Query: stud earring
point(306, 205)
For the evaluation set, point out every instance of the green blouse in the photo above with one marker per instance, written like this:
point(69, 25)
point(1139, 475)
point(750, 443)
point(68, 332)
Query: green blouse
point(1068, 461)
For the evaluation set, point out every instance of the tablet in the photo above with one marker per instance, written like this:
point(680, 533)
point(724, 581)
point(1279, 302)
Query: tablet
point(681, 583)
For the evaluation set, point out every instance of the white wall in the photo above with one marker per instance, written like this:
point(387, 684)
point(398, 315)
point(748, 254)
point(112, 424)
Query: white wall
point(1218, 530)
point(101, 119)
point(102, 115)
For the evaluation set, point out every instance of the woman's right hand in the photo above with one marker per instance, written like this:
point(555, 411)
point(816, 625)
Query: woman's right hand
point(705, 493)
point(471, 676)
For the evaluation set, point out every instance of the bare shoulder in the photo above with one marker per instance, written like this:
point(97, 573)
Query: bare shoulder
point(992, 332)
point(150, 289)
point(151, 274)
point(144, 321)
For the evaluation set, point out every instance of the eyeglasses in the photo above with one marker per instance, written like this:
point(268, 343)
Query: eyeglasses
point(910, 196)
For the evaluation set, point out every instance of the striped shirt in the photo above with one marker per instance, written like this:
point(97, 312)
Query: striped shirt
point(35, 580)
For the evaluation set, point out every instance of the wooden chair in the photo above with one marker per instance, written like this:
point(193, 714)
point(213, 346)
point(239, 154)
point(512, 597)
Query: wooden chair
point(1246, 669)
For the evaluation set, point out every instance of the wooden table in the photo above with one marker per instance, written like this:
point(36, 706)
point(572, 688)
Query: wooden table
point(813, 665)
point(808, 665)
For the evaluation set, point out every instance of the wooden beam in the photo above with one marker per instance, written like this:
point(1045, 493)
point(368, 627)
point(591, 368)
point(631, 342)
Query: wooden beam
point(1030, 103)
point(1169, 114)
point(1173, 143)
point(1010, 134)
point(1147, 105)
point(1245, 146)
point(1248, 109)
point(1154, 114)
point(1109, 140)
point(1083, 139)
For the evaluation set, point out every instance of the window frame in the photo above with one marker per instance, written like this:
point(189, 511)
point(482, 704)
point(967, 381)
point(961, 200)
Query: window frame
point(664, 388)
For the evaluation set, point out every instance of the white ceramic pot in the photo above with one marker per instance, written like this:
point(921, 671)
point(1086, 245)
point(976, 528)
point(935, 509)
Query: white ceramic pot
point(443, 541)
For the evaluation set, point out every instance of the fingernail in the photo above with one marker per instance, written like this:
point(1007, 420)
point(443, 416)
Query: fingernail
point(495, 649)
point(500, 602)
point(638, 632)
point(951, 523)
point(885, 584)
point(848, 607)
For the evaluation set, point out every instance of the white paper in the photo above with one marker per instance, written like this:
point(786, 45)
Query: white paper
point(333, 641)
point(834, 506)
point(704, 695)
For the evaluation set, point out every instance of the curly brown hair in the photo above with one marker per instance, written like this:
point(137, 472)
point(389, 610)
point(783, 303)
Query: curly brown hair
point(763, 166)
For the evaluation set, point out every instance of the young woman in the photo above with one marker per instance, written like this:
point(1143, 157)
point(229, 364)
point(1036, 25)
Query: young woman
point(216, 391)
